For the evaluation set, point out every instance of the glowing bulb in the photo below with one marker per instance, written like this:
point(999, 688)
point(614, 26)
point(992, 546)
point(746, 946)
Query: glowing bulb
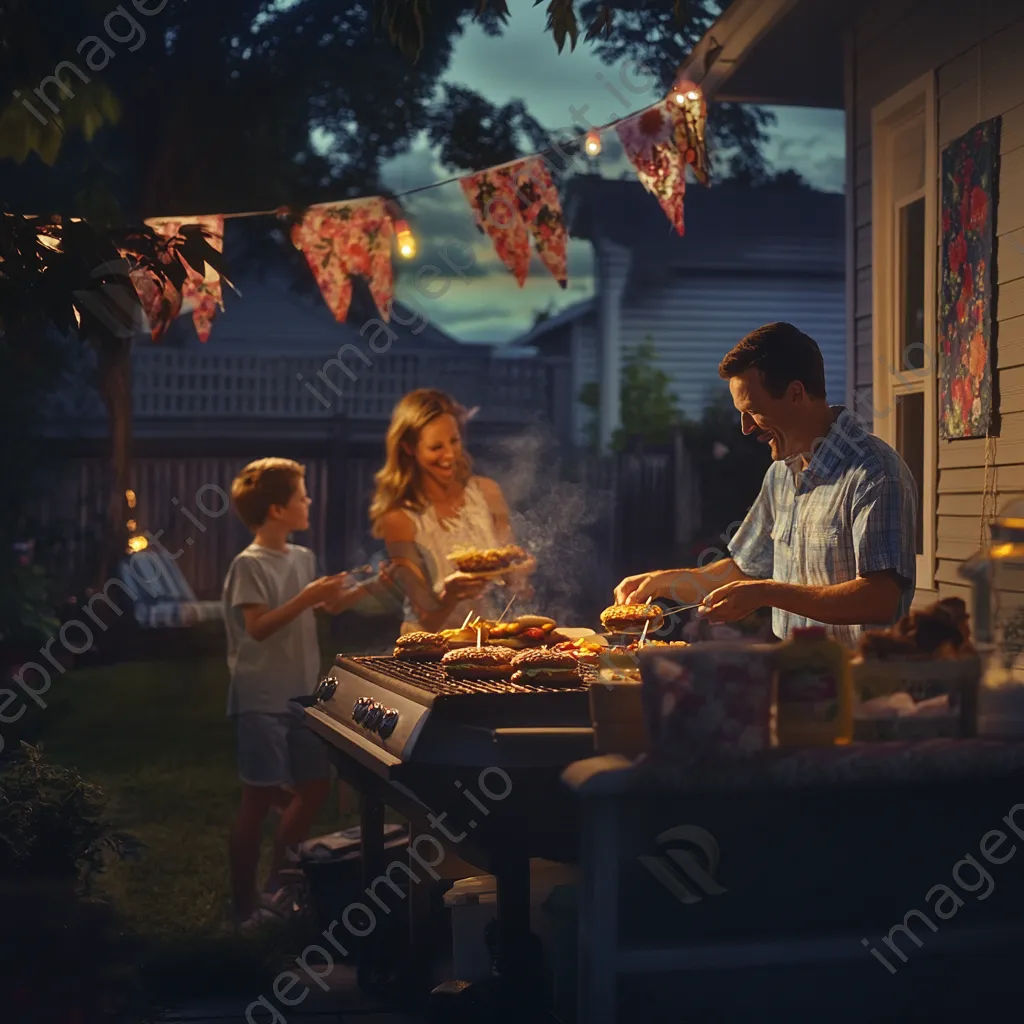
point(136, 544)
point(693, 95)
point(131, 525)
point(130, 498)
point(405, 240)
point(592, 145)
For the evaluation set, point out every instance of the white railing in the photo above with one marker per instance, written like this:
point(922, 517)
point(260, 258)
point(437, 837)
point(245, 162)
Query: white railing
point(174, 384)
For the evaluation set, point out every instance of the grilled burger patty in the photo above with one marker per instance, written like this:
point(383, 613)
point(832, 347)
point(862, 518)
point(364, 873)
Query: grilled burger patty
point(629, 616)
point(420, 646)
point(478, 663)
point(488, 559)
point(544, 665)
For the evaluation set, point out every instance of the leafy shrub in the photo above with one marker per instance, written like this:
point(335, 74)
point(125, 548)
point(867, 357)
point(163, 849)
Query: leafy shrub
point(51, 823)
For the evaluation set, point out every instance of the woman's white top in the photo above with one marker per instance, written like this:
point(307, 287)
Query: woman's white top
point(436, 539)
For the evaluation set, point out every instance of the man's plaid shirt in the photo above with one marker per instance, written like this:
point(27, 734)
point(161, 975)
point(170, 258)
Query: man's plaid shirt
point(851, 512)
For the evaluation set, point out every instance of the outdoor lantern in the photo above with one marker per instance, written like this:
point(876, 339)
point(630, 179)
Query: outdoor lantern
point(996, 575)
point(405, 240)
point(592, 144)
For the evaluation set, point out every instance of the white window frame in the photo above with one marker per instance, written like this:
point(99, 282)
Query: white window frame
point(914, 102)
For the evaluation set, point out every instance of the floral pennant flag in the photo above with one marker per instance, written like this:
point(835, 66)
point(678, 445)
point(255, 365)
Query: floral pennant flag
point(649, 142)
point(690, 115)
point(512, 203)
point(496, 211)
point(541, 210)
point(202, 290)
point(344, 240)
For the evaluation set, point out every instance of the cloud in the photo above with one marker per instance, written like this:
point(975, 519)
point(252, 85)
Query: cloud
point(523, 62)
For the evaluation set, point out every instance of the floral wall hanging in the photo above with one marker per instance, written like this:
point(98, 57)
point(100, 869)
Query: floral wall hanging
point(344, 240)
point(970, 172)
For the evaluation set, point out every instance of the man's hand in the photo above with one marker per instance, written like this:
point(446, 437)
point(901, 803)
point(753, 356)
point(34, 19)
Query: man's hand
point(735, 600)
point(637, 589)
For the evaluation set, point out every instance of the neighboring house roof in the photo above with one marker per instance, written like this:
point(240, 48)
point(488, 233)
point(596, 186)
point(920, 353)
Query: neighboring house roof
point(727, 226)
point(552, 323)
point(625, 212)
point(270, 316)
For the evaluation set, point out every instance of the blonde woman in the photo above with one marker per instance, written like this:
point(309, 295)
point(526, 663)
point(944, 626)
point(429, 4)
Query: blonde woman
point(428, 504)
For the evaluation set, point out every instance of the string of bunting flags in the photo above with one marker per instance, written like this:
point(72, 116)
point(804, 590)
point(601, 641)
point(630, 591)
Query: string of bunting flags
point(511, 203)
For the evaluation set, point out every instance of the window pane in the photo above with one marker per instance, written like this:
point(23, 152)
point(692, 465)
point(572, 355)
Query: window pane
point(908, 160)
point(911, 309)
point(910, 444)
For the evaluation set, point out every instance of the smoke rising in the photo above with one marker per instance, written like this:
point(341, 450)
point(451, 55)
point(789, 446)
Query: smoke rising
point(564, 524)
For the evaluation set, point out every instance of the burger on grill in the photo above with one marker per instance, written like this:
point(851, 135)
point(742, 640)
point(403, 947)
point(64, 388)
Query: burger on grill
point(631, 618)
point(420, 646)
point(546, 667)
point(478, 663)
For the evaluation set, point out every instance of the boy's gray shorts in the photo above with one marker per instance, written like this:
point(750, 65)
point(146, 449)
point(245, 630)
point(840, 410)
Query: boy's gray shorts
point(278, 750)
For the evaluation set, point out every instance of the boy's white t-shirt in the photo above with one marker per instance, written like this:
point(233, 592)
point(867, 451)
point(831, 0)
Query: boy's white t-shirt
point(266, 674)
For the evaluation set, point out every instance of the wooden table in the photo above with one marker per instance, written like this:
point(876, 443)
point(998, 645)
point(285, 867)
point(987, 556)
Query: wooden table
point(823, 856)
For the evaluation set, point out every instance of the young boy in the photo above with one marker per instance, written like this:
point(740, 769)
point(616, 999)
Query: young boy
point(270, 593)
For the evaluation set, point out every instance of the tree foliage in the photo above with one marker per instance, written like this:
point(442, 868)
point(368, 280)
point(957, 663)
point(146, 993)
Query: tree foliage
point(238, 103)
point(648, 409)
point(659, 34)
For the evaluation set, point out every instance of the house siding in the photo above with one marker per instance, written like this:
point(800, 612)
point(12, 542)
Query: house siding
point(975, 51)
point(694, 319)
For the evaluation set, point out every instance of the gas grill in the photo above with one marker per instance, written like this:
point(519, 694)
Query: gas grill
point(387, 713)
point(409, 737)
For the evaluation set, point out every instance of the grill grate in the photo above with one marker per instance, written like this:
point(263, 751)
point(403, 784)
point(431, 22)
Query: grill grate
point(429, 676)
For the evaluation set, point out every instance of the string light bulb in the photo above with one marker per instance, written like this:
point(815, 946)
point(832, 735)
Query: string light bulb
point(405, 240)
point(685, 92)
point(592, 143)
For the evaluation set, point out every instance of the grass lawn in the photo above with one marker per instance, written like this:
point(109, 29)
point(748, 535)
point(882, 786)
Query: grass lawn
point(155, 736)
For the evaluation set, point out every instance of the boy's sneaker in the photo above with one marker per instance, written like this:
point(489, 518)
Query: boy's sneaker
point(282, 903)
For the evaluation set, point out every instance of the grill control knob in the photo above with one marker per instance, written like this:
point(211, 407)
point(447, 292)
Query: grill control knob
point(360, 709)
point(325, 688)
point(387, 723)
point(373, 716)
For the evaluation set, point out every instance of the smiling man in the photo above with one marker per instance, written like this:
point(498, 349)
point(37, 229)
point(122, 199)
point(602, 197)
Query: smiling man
point(830, 539)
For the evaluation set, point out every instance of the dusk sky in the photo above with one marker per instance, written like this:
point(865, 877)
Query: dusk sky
point(523, 63)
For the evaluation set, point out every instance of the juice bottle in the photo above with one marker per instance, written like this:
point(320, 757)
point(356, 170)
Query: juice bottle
point(813, 690)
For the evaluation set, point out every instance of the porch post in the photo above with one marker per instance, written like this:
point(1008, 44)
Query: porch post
point(612, 268)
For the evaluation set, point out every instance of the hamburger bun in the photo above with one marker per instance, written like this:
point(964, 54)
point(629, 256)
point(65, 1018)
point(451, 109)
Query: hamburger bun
point(630, 618)
point(478, 663)
point(420, 646)
point(534, 621)
point(546, 667)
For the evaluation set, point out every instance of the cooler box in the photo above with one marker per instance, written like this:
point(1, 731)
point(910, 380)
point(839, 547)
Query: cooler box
point(473, 904)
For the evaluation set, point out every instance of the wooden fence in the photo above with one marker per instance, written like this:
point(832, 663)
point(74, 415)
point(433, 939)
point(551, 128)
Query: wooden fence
point(591, 519)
